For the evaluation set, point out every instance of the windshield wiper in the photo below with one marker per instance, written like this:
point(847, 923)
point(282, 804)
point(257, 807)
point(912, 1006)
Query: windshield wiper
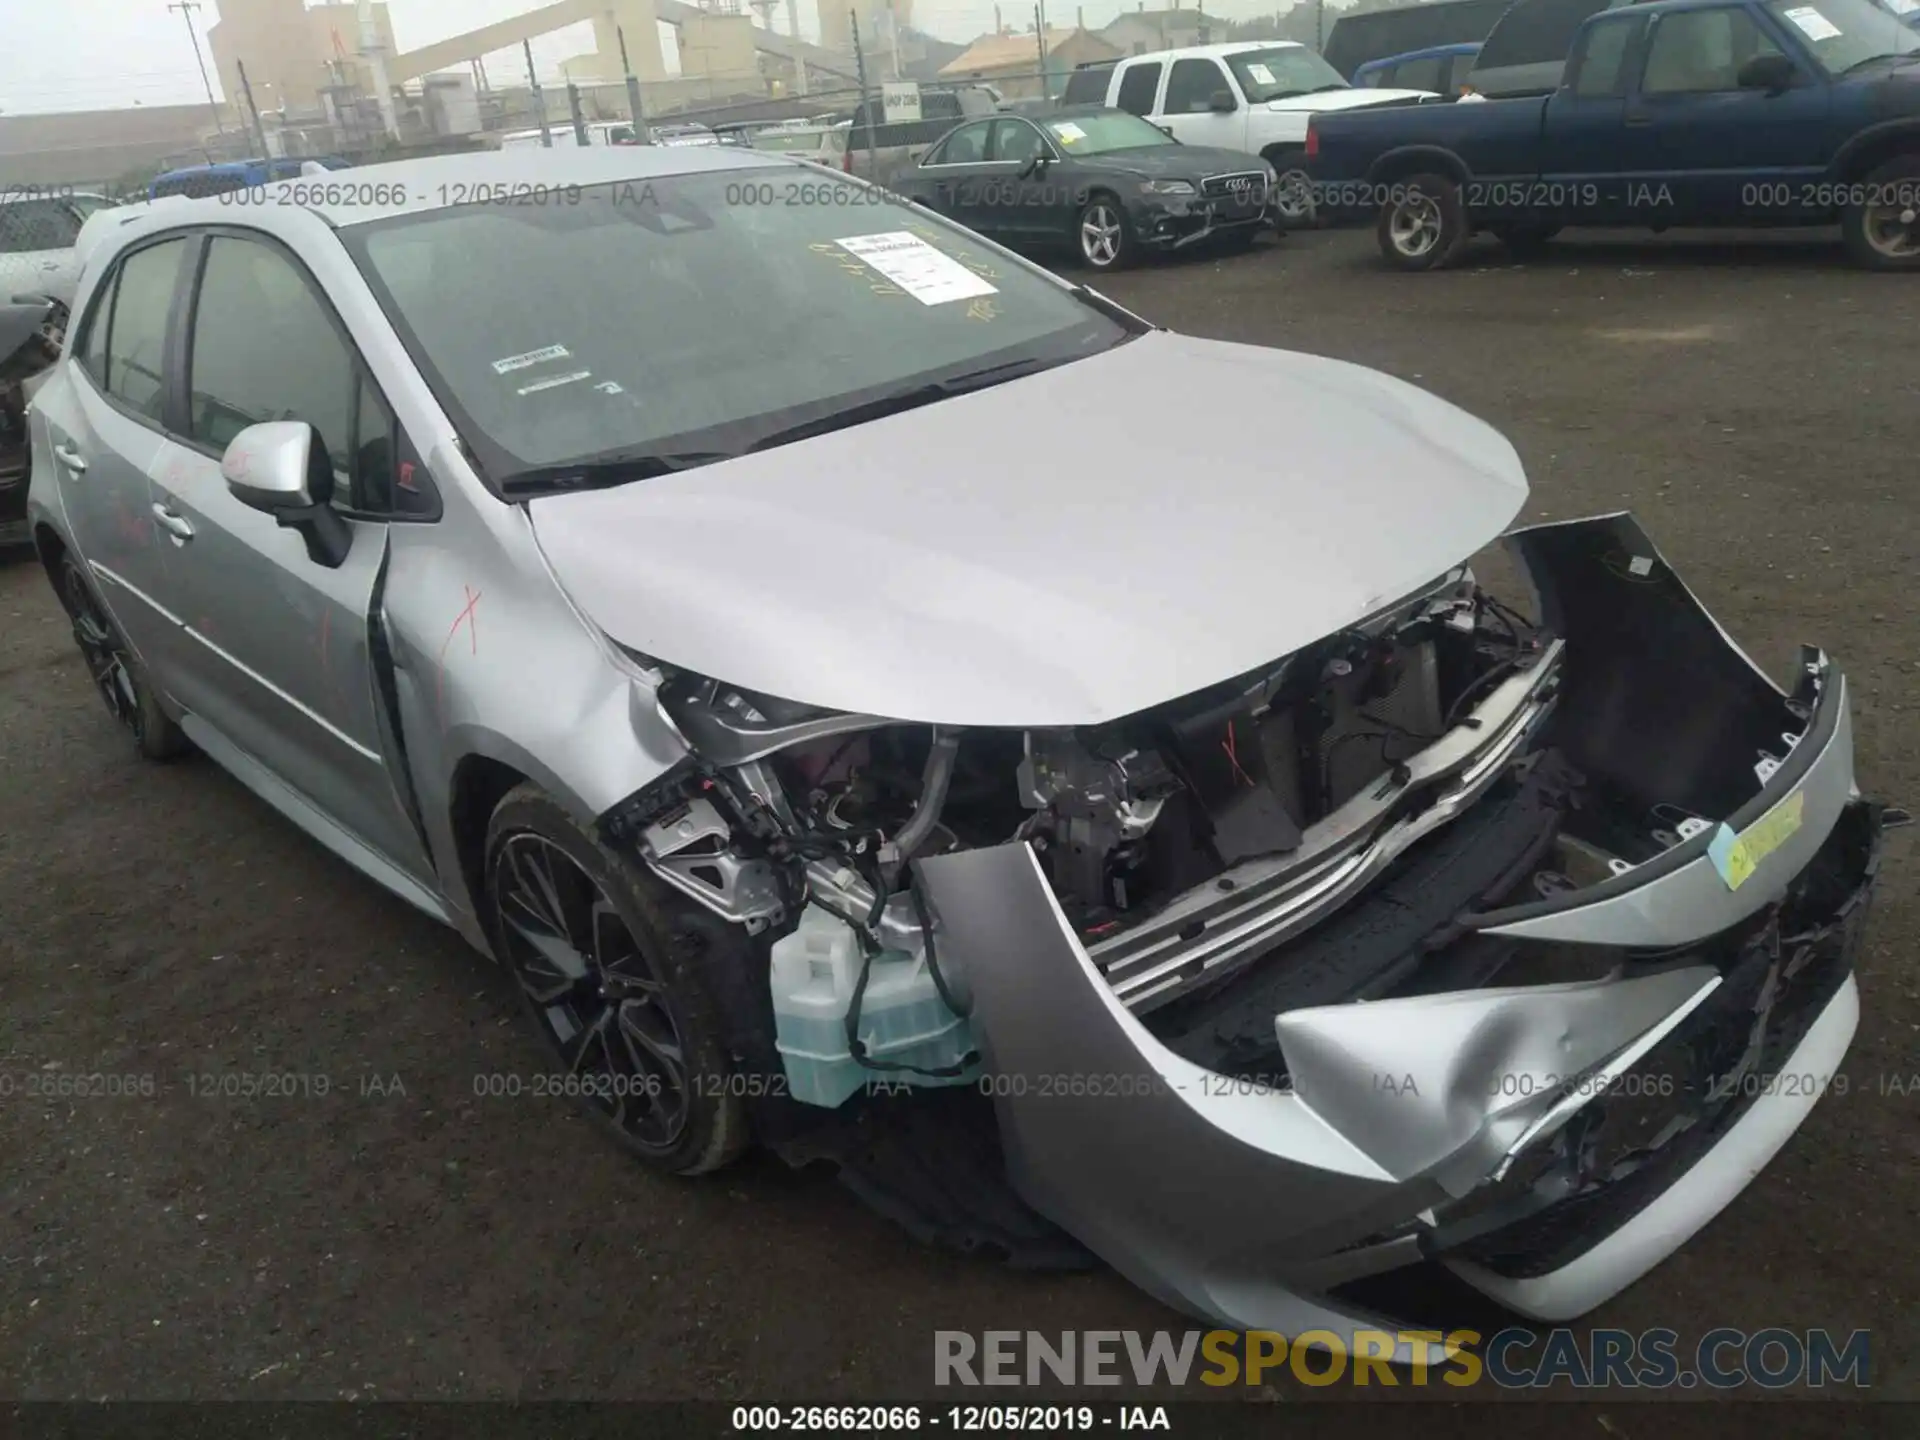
point(605, 471)
point(1330, 85)
point(1873, 59)
point(910, 398)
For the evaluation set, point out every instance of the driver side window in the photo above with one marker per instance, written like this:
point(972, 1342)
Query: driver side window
point(1015, 141)
point(1191, 84)
point(265, 347)
point(1701, 51)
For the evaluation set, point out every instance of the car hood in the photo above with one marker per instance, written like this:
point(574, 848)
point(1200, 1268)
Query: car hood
point(1352, 98)
point(1063, 549)
point(1184, 162)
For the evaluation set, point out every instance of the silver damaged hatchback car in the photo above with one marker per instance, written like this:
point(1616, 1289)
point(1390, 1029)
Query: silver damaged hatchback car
point(876, 704)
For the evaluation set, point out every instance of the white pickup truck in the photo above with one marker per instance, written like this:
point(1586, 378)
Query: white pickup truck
point(1251, 95)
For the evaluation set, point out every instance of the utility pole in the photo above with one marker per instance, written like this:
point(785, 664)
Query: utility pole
point(636, 113)
point(793, 34)
point(539, 99)
point(186, 9)
point(573, 109)
point(1319, 24)
point(866, 100)
point(259, 130)
point(1040, 43)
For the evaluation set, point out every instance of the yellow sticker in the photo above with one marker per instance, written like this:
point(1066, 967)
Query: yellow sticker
point(1736, 858)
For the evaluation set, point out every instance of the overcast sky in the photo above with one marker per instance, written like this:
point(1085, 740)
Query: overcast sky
point(104, 54)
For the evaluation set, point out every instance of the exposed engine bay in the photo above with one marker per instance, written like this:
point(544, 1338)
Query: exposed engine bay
point(1322, 823)
point(1127, 816)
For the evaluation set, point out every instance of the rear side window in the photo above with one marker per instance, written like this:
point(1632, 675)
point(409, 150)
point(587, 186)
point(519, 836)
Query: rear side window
point(137, 333)
point(1420, 74)
point(1600, 69)
point(93, 344)
point(1087, 87)
point(1138, 85)
point(1191, 85)
point(966, 146)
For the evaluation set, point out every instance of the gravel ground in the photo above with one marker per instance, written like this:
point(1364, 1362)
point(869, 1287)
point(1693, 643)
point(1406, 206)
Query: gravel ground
point(401, 1238)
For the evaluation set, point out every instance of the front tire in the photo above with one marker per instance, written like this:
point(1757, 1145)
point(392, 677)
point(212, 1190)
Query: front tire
point(1423, 226)
point(1101, 237)
point(1294, 207)
point(591, 945)
point(116, 671)
point(1886, 236)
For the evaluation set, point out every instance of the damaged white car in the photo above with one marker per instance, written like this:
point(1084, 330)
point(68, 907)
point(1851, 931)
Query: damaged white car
point(885, 703)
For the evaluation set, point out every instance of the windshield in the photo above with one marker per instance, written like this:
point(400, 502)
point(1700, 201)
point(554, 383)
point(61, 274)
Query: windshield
point(699, 313)
point(789, 140)
point(1275, 74)
point(1845, 33)
point(1101, 131)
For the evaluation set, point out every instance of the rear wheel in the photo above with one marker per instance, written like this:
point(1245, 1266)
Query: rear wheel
point(1885, 234)
point(116, 671)
point(1101, 234)
point(1423, 224)
point(598, 960)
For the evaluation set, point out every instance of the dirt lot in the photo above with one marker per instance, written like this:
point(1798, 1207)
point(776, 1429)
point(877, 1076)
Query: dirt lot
point(1750, 400)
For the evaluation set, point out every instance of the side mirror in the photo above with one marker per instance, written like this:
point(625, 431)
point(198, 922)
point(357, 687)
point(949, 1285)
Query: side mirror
point(1223, 102)
point(1035, 166)
point(1771, 73)
point(280, 469)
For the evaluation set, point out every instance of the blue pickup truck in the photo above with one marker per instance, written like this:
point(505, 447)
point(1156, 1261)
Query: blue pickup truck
point(1677, 112)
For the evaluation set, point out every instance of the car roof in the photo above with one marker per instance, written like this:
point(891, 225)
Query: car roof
point(435, 182)
point(1067, 112)
point(1230, 47)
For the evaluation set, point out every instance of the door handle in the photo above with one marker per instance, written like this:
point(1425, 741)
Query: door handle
point(174, 525)
point(71, 458)
point(1639, 119)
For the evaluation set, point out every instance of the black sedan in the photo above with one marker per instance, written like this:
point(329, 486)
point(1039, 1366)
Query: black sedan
point(1103, 181)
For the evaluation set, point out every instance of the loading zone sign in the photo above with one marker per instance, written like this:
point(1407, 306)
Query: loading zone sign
point(899, 103)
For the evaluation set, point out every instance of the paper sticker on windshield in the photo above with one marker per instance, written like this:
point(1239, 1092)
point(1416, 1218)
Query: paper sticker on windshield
point(916, 267)
point(1069, 133)
point(554, 382)
point(532, 357)
point(1261, 74)
point(1812, 23)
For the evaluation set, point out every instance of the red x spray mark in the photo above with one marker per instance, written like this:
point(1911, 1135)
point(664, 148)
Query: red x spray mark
point(1232, 746)
point(471, 620)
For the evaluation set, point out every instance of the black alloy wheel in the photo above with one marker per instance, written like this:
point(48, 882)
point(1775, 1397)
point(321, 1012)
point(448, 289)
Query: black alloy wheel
point(115, 673)
point(584, 937)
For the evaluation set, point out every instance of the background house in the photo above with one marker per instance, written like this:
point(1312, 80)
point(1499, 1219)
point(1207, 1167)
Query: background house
point(1011, 63)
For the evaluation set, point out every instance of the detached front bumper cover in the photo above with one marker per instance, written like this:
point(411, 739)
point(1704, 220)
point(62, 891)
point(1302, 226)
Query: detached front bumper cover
point(1551, 1143)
